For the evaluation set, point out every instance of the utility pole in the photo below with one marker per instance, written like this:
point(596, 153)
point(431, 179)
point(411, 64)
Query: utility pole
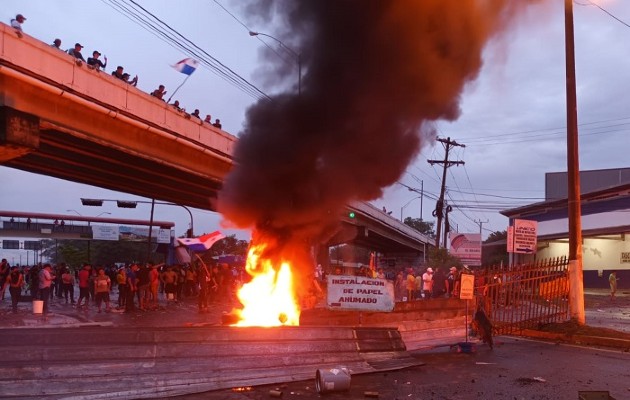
point(480, 223)
point(439, 207)
point(576, 277)
point(421, 197)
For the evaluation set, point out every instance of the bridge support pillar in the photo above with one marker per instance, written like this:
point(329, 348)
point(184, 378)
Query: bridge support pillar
point(19, 133)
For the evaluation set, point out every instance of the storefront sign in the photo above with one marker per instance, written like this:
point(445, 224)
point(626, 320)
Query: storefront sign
point(525, 236)
point(466, 247)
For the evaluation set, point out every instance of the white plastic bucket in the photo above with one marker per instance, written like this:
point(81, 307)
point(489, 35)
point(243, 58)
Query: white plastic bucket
point(332, 380)
point(38, 306)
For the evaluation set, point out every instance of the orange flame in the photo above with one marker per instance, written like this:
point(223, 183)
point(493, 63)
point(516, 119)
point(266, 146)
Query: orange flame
point(269, 299)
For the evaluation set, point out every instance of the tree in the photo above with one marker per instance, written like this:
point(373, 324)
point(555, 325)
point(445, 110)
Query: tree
point(101, 252)
point(350, 253)
point(495, 249)
point(229, 245)
point(496, 236)
point(421, 226)
point(440, 258)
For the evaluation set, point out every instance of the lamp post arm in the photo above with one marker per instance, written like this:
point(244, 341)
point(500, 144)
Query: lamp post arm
point(298, 56)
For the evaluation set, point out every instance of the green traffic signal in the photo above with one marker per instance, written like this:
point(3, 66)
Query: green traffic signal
point(351, 214)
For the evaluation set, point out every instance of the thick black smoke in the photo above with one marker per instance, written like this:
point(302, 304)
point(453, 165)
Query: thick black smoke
point(377, 73)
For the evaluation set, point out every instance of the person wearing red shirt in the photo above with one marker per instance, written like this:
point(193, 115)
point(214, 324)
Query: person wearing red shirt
point(84, 285)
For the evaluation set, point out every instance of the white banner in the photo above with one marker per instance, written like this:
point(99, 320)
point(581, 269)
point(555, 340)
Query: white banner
point(105, 232)
point(360, 293)
point(466, 247)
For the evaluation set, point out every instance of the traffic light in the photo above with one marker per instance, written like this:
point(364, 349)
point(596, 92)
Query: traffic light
point(126, 204)
point(351, 214)
point(92, 202)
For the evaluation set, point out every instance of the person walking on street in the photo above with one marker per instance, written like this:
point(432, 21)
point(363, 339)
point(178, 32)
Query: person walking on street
point(121, 279)
point(411, 285)
point(102, 286)
point(612, 280)
point(15, 281)
point(427, 283)
point(84, 286)
point(46, 278)
point(67, 285)
point(132, 288)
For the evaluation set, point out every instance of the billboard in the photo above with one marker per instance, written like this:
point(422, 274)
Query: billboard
point(10, 245)
point(105, 232)
point(141, 234)
point(130, 233)
point(466, 247)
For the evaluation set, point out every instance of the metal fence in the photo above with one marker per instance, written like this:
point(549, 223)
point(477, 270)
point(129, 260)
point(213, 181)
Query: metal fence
point(525, 296)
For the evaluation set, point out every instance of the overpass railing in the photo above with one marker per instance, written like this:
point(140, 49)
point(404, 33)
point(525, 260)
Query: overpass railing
point(37, 63)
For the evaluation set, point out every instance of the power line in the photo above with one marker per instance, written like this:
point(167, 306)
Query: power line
point(562, 129)
point(173, 38)
point(249, 30)
point(607, 12)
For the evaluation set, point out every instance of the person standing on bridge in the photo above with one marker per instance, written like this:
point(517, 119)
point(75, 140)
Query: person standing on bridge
point(56, 44)
point(16, 24)
point(133, 82)
point(123, 76)
point(159, 92)
point(95, 62)
point(76, 53)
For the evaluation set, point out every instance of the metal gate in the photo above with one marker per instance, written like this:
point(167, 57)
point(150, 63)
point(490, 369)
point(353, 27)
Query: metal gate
point(524, 296)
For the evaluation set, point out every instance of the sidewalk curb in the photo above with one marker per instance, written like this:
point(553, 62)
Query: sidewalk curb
point(578, 339)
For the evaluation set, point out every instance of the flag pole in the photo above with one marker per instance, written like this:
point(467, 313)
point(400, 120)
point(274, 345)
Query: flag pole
point(182, 84)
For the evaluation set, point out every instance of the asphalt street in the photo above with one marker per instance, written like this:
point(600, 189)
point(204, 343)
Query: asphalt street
point(517, 369)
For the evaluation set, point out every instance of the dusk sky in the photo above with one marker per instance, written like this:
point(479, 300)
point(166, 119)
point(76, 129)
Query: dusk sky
point(513, 116)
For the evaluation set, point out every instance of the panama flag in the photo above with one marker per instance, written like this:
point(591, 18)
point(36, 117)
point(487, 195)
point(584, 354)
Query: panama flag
point(201, 243)
point(187, 66)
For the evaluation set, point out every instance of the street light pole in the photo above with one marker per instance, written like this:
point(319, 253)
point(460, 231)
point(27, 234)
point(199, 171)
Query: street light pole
point(298, 56)
point(405, 206)
point(132, 204)
point(89, 244)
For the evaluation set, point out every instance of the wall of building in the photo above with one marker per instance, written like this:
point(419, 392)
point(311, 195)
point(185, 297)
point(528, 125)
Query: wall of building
point(601, 256)
point(590, 181)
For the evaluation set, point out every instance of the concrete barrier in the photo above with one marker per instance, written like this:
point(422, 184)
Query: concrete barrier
point(130, 363)
point(422, 324)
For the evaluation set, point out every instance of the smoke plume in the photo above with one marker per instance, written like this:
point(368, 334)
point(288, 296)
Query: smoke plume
point(376, 74)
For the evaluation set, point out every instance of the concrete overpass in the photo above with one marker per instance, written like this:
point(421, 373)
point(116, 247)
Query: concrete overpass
point(371, 228)
point(68, 121)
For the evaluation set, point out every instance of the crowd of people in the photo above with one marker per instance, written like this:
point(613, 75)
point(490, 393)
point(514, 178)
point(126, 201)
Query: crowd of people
point(136, 287)
point(97, 64)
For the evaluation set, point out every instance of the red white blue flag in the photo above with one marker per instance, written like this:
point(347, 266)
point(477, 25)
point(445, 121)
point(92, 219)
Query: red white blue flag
point(201, 243)
point(187, 66)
